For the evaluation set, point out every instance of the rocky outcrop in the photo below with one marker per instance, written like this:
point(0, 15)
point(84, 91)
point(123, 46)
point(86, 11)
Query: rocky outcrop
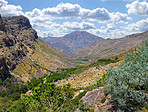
point(94, 96)
point(16, 34)
point(2, 27)
point(26, 56)
point(16, 24)
point(4, 70)
point(99, 101)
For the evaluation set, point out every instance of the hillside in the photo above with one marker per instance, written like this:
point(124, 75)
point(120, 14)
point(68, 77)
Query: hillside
point(72, 42)
point(23, 54)
point(110, 47)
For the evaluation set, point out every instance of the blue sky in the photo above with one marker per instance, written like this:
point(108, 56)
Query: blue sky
point(105, 18)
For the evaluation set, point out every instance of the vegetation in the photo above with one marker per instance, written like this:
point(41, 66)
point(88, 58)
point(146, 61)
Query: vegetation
point(12, 89)
point(11, 92)
point(128, 82)
point(100, 62)
point(48, 97)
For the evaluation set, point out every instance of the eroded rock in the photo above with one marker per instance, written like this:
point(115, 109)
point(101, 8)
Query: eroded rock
point(94, 99)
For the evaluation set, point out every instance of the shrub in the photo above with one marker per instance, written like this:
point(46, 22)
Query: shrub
point(128, 83)
point(3, 93)
point(103, 100)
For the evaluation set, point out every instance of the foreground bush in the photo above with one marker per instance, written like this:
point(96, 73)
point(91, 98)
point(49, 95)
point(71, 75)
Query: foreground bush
point(128, 83)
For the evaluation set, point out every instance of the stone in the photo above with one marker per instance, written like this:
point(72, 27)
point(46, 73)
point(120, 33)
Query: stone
point(93, 99)
point(94, 96)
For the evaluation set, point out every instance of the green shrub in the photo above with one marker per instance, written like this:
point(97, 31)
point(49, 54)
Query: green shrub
point(103, 100)
point(128, 83)
point(15, 96)
point(3, 93)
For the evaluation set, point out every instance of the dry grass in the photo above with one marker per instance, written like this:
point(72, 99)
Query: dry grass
point(86, 78)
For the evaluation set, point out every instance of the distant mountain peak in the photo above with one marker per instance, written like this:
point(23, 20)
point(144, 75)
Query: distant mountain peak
point(110, 47)
point(79, 33)
point(72, 42)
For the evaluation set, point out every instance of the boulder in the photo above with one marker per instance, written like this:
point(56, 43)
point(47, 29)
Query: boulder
point(94, 99)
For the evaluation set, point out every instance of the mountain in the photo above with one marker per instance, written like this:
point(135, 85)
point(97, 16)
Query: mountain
point(72, 42)
point(23, 54)
point(110, 47)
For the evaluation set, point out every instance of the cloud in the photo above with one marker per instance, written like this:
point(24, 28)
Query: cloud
point(75, 11)
point(34, 13)
point(54, 29)
point(78, 26)
point(9, 10)
point(139, 26)
point(120, 18)
point(109, 31)
point(138, 8)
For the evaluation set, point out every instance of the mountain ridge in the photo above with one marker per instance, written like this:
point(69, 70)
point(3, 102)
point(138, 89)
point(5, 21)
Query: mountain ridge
point(110, 47)
point(72, 42)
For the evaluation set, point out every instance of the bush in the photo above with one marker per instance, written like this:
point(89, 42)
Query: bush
point(128, 83)
point(15, 96)
point(3, 93)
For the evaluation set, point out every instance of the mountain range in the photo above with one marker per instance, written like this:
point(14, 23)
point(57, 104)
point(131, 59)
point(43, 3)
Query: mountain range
point(72, 42)
point(111, 47)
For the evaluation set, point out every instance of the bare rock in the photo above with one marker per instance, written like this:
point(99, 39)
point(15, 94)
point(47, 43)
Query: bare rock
point(94, 99)
point(16, 24)
point(94, 96)
point(2, 27)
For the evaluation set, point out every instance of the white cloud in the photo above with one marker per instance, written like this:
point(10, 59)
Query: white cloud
point(54, 29)
point(109, 31)
point(139, 26)
point(75, 11)
point(139, 8)
point(120, 18)
point(68, 10)
point(43, 19)
point(9, 10)
point(34, 13)
point(78, 26)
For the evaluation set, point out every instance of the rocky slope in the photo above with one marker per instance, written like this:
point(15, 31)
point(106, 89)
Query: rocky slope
point(111, 47)
point(72, 42)
point(23, 54)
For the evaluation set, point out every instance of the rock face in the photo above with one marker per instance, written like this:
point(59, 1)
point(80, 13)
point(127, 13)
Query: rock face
point(72, 42)
point(12, 48)
point(22, 52)
point(94, 99)
point(94, 96)
point(16, 24)
point(4, 70)
point(2, 27)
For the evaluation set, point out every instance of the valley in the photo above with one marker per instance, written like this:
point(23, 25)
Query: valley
point(78, 72)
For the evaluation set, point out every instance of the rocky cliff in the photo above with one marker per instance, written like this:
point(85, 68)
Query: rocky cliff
point(23, 54)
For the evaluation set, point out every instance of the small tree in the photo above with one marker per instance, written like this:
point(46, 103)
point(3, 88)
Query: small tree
point(128, 83)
